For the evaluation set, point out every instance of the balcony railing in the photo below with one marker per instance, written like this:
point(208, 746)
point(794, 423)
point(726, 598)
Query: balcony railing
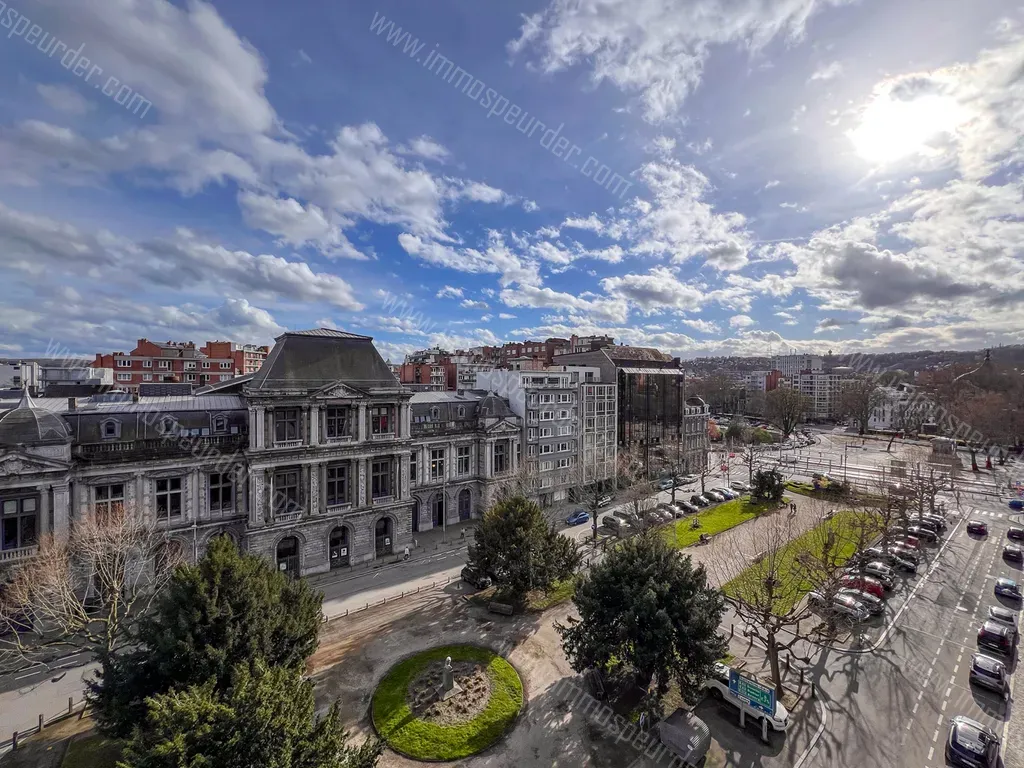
point(291, 516)
point(338, 439)
point(382, 436)
point(334, 509)
point(378, 500)
point(8, 555)
point(174, 445)
point(287, 443)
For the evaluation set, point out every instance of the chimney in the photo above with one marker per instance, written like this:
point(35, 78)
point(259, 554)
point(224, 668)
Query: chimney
point(72, 403)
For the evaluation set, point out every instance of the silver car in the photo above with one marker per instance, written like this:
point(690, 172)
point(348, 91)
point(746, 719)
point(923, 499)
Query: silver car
point(714, 496)
point(989, 673)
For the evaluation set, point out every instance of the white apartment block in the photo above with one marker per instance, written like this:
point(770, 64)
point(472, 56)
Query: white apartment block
point(569, 425)
point(791, 365)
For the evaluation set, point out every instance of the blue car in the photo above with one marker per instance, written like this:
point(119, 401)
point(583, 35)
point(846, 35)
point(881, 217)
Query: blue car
point(579, 517)
point(1008, 588)
point(1017, 504)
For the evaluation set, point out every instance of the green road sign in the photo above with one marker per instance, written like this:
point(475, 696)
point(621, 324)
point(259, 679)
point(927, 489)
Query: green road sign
point(760, 697)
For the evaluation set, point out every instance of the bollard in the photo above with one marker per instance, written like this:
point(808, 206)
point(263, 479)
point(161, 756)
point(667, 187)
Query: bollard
point(814, 691)
point(802, 677)
point(732, 631)
point(71, 704)
point(14, 741)
point(40, 722)
point(789, 663)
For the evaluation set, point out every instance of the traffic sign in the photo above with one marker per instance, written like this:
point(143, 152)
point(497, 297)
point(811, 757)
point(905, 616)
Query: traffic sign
point(758, 696)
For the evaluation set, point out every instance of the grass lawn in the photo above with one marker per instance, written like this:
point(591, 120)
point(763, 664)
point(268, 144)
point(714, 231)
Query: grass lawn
point(846, 527)
point(716, 519)
point(560, 592)
point(407, 734)
point(92, 752)
point(853, 498)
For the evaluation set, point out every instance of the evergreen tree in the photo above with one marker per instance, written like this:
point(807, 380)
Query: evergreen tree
point(228, 609)
point(646, 607)
point(266, 719)
point(520, 551)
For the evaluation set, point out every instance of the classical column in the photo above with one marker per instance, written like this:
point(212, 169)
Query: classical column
point(258, 434)
point(61, 504)
point(361, 489)
point(194, 496)
point(314, 506)
point(268, 428)
point(43, 512)
point(306, 488)
point(252, 427)
point(268, 510)
point(403, 476)
point(488, 446)
point(314, 425)
point(361, 434)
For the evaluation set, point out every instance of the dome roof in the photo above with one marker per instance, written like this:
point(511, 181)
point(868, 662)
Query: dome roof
point(30, 425)
point(494, 407)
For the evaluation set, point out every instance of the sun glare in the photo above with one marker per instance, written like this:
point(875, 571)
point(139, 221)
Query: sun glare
point(892, 129)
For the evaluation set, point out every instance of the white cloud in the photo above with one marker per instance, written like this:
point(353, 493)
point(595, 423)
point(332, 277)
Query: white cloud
point(656, 291)
point(827, 71)
point(772, 183)
point(471, 304)
point(656, 48)
point(297, 225)
point(704, 326)
point(741, 321)
point(506, 316)
point(449, 292)
point(481, 193)
point(592, 222)
point(425, 147)
point(64, 99)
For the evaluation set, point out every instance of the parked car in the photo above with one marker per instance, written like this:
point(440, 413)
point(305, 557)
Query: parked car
point(654, 517)
point(665, 484)
point(863, 583)
point(922, 533)
point(714, 495)
point(977, 526)
point(717, 684)
point(740, 486)
point(972, 744)
point(728, 493)
point(911, 542)
point(876, 554)
point(476, 578)
point(990, 673)
point(1003, 616)
point(1008, 588)
point(924, 523)
point(579, 517)
point(604, 501)
point(996, 637)
point(906, 553)
point(1017, 504)
point(1013, 552)
point(615, 523)
point(700, 501)
point(882, 572)
point(688, 479)
point(843, 606)
point(1015, 533)
point(667, 512)
point(904, 564)
point(874, 605)
point(939, 523)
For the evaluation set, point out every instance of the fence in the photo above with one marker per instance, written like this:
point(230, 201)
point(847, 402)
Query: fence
point(385, 600)
point(43, 722)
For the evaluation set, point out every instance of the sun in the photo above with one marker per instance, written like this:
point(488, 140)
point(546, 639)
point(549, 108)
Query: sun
point(893, 129)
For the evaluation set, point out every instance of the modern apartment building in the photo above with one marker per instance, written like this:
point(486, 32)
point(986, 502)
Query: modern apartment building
point(555, 405)
point(181, 361)
point(37, 375)
point(791, 365)
point(313, 461)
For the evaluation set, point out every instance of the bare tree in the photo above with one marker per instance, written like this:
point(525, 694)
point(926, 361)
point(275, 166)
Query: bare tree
point(85, 591)
point(640, 494)
point(858, 399)
point(785, 408)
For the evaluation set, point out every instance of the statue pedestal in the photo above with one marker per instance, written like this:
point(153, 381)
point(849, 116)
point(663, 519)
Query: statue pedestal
point(444, 694)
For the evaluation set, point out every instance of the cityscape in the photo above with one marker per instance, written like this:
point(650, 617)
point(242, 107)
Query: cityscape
point(574, 383)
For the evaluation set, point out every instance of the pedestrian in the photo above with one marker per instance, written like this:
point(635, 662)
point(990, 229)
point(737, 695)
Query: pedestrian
point(406, 556)
point(463, 536)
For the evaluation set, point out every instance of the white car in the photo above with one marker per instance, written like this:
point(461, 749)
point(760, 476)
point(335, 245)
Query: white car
point(718, 686)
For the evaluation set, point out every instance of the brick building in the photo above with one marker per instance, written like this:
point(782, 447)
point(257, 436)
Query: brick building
point(180, 361)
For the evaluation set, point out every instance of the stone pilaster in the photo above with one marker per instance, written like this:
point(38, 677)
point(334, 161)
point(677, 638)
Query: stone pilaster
point(260, 423)
point(403, 477)
point(314, 425)
point(361, 433)
point(61, 510)
point(361, 487)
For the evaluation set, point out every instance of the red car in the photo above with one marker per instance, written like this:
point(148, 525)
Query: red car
point(864, 584)
point(912, 542)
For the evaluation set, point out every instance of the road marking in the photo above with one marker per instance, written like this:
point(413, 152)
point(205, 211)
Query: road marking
point(944, 703)
point(931, 753)
point(914, 711)
point(817, 734)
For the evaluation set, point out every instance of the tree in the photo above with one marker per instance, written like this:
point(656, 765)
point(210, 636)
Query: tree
point(768, 485)
point(761, 436)
point(230, 608)
point(738, 431)
point(858, 399)
point(785, 408)
point(714, 433)
point(266, 718)
point(520, 551)
point(651, 611)
point(85, 592)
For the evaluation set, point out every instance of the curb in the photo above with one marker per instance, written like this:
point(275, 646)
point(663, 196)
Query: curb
point(817, 735)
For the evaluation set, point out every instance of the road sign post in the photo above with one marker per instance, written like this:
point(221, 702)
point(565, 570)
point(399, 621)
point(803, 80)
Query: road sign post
point(747, 689)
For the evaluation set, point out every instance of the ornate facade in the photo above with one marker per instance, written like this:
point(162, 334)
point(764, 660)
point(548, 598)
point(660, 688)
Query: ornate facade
point(313, 462)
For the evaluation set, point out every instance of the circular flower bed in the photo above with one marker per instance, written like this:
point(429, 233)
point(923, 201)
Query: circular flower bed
point(409, 716)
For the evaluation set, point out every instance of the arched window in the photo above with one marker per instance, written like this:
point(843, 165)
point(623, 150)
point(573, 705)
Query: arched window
point(220, 424)
point(462, 411)
point(435, 414)
point(110, 429)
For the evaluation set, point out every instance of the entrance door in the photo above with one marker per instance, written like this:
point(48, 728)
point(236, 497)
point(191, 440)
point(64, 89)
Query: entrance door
point(465, 505)
point(383, 537)
point(438, 510)
point(339, 547)
point(415, 515)
point(288, 556)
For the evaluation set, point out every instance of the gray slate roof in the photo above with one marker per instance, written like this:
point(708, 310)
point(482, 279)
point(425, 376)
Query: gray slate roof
point(30, 425)
point(311, 360)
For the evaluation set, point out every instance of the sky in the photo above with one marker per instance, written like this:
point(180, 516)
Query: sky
point(710, 177)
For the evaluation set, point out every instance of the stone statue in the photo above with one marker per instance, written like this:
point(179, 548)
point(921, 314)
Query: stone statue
point(448, 687)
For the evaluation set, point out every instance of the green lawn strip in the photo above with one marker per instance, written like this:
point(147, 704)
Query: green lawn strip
point(719, 518)
point(852, 497)
point(92, 752)
point(843, 525)
point(559, 592)
point(408, 735)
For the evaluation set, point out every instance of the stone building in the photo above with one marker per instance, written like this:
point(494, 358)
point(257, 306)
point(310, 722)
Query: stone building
point(310, 462)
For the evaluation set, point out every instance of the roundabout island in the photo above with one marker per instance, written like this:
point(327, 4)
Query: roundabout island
point(447, 703)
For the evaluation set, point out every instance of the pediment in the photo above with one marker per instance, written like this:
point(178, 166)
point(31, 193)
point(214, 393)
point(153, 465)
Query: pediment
point(502, 426)
point(16, 463)
point(338, 390)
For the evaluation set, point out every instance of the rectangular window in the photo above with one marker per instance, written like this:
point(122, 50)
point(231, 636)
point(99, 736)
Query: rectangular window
point(190, 366)
point(20, 522)
point(168, 498)
point(190, 377)
point(222, 492)
point(165, 364)
point(108, 499)
point(124, 362)
point(531, 450)
point(532, 433)
point(413, 466)
point(462, 454)
point(563, 446)
point(337, 485)
point(437, 464)
point(147, 363)
point(336, 423)
point(563, 463)
point(545, 431)
point(565, 430)
point(225, 376)
point(147, 377)
point(500, 457)
point(380, 478)
point(565, 398)
point(380, 420)
point(547, 415)
point(547, 398)
point(124, 377)
point(225, 366)
point(286, 424)
point(206, 363)
point(286, 491)
point(563, 414)
point(545, 466)
point(546, 448)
